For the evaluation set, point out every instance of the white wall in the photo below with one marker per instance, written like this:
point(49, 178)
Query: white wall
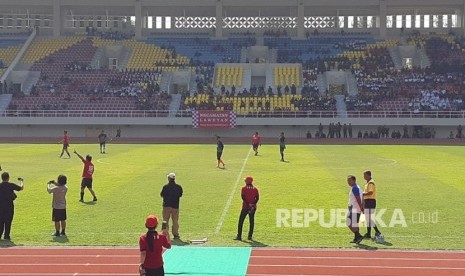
point(181, 127)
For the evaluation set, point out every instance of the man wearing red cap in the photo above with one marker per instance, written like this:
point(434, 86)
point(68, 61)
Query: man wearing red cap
point(250, 198)
point(151, 247)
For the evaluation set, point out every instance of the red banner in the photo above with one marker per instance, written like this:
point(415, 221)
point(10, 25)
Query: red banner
point(213, 119)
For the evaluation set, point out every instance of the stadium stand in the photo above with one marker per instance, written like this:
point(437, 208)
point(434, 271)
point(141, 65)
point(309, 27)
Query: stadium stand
point(9, 48)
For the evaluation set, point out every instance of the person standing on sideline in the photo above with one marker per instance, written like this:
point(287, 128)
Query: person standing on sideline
point(7, 208)
point(250, 197)
point(87, 175)
point(355, 209)
point(151, 247)
point(58, 189)
point(256, 142)
point(369, 201)
point(219, 151)
point(118, 133)
point(282, 145)
point(65, 142)
point(349, 129)
point(102, 139)
point(171, 193)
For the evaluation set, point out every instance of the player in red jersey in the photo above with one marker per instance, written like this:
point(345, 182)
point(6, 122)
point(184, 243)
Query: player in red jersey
point(256, 142)
point(65, 142)
point(87, 174)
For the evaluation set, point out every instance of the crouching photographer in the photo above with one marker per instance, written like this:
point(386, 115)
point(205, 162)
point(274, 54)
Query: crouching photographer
point(7, 208)
point(58, 189)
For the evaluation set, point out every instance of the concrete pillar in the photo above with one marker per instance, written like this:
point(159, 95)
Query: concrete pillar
point(382, 19)
point(300, 20)
point(57, 19)
point(463, 19)
point(219, 19)
point(138, 15)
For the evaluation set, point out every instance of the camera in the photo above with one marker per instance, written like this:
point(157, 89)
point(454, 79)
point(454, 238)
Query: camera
point(164, 225)
point(51, 182)
point(20, 179)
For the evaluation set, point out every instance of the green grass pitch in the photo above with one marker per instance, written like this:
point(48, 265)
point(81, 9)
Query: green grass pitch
point(419, 180)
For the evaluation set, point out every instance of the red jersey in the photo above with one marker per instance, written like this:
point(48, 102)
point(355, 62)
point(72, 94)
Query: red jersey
point(255, 139)
point(66, 139)
point(88, 169)
point(249, 195)
point(153, 259)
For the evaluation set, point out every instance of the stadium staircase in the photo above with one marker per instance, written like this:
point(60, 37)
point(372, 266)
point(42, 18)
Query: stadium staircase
point(95, 63)
point(175, 104)
point(396, 57)
point(423, 57)
point(125, 56)
point(352, 87)
point(166, 81)
point(341, 106)
point(192, 82)
point(273, 56)
point(32, 79)
point(244, 54)
point(322, 83)
point(5, 100)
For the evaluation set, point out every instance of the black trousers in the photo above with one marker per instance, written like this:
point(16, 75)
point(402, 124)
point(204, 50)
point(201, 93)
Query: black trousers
point(242, 216)
point(155, 272)
point(6, 218)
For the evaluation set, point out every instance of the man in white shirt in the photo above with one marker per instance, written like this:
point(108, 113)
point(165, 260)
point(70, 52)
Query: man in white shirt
point(58, 189)
point(355, 209)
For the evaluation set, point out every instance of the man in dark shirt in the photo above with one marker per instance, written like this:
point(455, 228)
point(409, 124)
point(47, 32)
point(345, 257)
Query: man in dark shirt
point(219, 151)
point(102, 139)
point(171, 193)
point(7, 208)
point(282, 145)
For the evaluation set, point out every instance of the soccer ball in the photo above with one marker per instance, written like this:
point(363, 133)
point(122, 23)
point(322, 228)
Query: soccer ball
point(379, 239)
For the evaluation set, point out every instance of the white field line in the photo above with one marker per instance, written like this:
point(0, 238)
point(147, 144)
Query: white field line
point(231, 196)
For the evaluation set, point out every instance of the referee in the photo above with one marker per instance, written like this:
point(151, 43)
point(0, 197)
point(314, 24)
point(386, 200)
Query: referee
point(369, 199)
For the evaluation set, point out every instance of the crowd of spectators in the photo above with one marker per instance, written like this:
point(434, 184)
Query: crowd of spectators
point(78, 66)
point(110, 34)
point(437, 100)
point(275, 33)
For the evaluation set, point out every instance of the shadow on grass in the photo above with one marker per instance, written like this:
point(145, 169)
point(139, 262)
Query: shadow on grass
point(8, 243)
point(179, 242)
point(60, 239)
point(286, 161)
point(386, 243)
point(89, 202)
point(254, 243)
point(366, 247)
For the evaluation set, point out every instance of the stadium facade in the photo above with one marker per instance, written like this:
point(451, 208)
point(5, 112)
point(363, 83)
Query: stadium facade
point(220, 20)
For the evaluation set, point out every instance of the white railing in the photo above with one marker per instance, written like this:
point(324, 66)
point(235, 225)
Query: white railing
point(262, 114)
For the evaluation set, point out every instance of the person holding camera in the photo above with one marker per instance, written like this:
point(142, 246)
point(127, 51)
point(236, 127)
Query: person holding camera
point(250, 196)
point(151, 247)
point(58, 189)
point(7, 208)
